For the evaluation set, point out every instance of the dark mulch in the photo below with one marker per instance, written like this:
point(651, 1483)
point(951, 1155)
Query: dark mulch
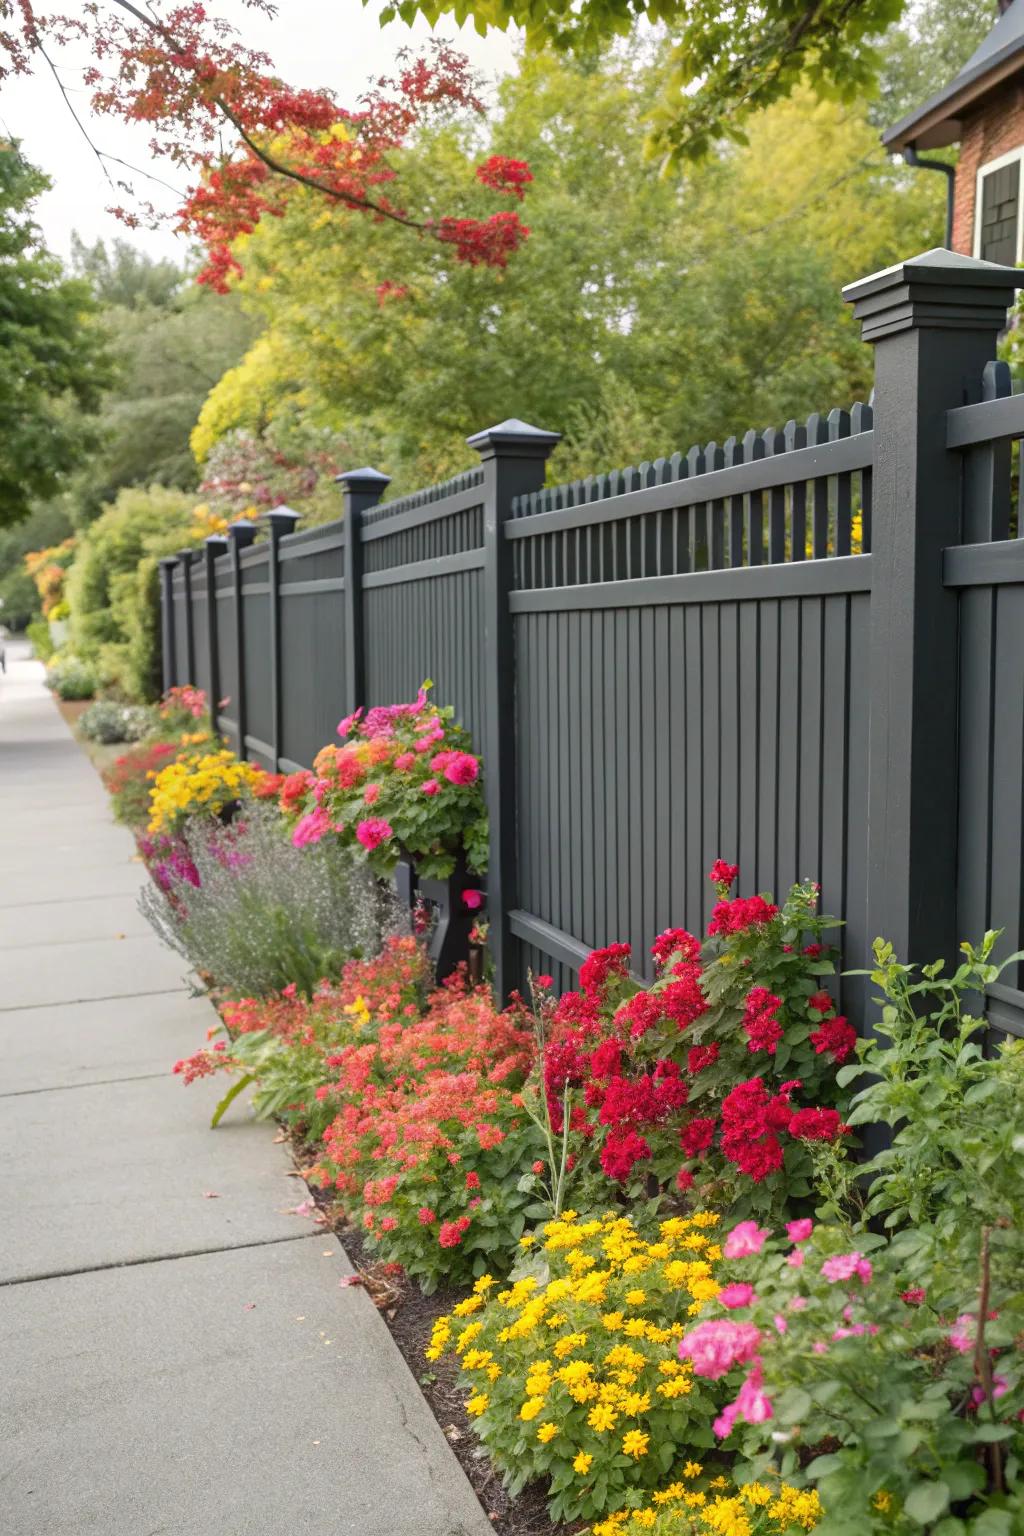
point(411, 1316)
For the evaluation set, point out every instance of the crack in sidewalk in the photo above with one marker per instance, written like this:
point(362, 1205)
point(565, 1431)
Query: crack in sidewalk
point(112, 997)
point(100, 1082)
point(157, 1258)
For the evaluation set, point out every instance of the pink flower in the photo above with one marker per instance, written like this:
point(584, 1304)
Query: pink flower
point(404, 761)
point(781, 1326)
point(798, 1303)
point(799, 1231)
point(389, 1224)
point(473, 900)
point(1000, 1387)
point(738, 1295)
point(344, 726)
point(463, 768)
point(752, 1404)
point(373, 832)
point(441, 761)
point(796, 1259)
point(425, 1216)
point(716, 1347)
point(844, 1266)
point(914, 1296)
point(820, 1347)
point(371, 793)
point(311, 828)
point(431, 787)
point(962, 1336)
point(746, 1238)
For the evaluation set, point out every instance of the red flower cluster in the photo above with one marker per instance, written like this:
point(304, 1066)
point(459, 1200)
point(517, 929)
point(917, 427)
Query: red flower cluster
point(760, 1022)
point(740, 913)
point(835, 1036)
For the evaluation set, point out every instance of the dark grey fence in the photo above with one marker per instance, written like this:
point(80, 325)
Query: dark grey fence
point(802, 651)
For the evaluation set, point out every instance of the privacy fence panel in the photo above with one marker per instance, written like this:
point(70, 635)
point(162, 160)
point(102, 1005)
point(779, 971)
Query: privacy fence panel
point(802, 651)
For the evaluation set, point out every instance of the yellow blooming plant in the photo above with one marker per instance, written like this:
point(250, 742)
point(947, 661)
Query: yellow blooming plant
point(695, 1506)
point(198, 784)
point(573, 1369)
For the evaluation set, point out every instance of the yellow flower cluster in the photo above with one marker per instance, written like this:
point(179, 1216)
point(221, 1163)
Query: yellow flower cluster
point(579, 1355)
point(197, 783)
point(684, 1509)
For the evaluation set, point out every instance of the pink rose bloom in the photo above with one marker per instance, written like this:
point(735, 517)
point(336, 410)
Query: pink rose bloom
point(745, 1239)
point(473, 900)
point(733, 1296)
point(373, 832)
point(722, 1426)
point(371, 793)
point(716, 1347)
point(962, 1336)
point(311, 828)
point(463, 768)
point(797, 1303)
point(441, 761)
point(753, 1402)
point(796, 1259)
point(431, 787)
point(781, 1326)
point(404, 761)
point(799, 1231)
point(844, 1266)
point(820, 1347)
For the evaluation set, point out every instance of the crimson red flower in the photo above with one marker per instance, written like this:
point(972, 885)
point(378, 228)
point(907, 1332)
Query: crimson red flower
point(763, 1028)
point(817, 1125)
point(741, 913)
point(601, 965)
point(722, 873)
point(820, 1002)
point(697, 1136)
point(606, 1061)
point(621, 1152)
point(684, 1180)
point(674, 941)
point(835, 1036)
point(701, 1056)
point(472, 1181)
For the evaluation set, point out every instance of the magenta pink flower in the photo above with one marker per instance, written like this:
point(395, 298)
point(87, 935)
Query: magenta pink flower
point(752, 1404)
point(715, 1347)
point(404, 761)
point(373, 832)
point(371, 794)
point(738, 1295)
point(799, 1231)
point(745, 1239)
point(311, 828)
point(844, 1266)
point(796, 1259)
point(781, 1326)
point(431, 787)
point(962, 1336)
point(462, 768)
point(473, 900)
point(344, 726)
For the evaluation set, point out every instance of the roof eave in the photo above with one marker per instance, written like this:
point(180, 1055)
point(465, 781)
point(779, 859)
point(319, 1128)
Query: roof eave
point(937, 122)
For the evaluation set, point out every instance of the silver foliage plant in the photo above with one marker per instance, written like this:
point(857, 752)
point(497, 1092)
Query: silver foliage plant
point(253, 914)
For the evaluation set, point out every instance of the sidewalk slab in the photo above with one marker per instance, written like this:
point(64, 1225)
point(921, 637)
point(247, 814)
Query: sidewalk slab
point(77, 921)
point(99, 1042)
point(32, 884)
point(76, 973)
point(116, 1172)
point(151, 1400)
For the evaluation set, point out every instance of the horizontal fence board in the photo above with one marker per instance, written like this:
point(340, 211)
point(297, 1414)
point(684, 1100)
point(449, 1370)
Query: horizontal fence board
point(310, 588)
point(982, 565)
point(426, 570)
point(315, 541)
point(850, 573)
point(986, 422)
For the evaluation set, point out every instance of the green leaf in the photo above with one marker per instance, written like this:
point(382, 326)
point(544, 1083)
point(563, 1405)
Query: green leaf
point(236, 1088)
point(926, 1502)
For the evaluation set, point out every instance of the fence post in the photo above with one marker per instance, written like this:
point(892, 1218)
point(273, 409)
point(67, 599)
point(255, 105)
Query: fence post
point(185, 558)
point(168, 661)
point(213, 546)
point(934, 322)
point(282, 520)
point(241, 535)
point(362, 489)
point(514, 456)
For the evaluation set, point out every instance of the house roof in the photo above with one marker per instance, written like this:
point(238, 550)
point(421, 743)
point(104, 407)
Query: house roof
point(937, 121)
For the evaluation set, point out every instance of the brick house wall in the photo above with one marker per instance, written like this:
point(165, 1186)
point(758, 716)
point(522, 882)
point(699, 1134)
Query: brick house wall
point(996, 128)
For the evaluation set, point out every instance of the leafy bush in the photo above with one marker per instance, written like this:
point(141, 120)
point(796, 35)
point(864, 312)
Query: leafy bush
point(248, 910)
point(692, 1082)
point(405, 782)
point(71, 678)
point(107, 721)
point(38, 635)
point(573, 1373)
point(129, 779)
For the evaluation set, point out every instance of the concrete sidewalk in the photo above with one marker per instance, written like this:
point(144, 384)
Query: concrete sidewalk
point(171, 1362)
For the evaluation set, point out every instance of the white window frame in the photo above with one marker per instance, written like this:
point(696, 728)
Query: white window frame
point(980, 174)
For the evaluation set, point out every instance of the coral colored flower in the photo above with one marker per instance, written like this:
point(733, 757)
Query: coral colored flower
point(722, 873)
point(371, 794)
point(799, 1231)
point(452, 1232)
point(472, 1181)
point(736, 1295)
point(373, 832)
point(462, 769)
point(473, 900)
point(537, 1167)
point(430, 787)
point(745, 1239)
point(425, 1216)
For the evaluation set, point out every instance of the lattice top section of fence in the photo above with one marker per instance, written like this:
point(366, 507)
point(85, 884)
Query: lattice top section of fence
point(803, 493)
point(412, 503)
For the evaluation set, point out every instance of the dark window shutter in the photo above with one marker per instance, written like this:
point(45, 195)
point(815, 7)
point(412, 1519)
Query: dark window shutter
point(1000, 197)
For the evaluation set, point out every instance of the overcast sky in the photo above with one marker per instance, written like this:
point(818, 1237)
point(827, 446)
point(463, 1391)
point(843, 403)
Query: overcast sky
point(334, 43)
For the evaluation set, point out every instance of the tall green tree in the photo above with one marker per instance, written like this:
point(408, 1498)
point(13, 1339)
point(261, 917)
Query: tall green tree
point(54, 362)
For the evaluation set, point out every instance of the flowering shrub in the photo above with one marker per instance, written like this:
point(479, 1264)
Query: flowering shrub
point(129, 779)
point(571, 1367)
point(246, 909)
point(182, 707)
point(689, 1507)
point(405, 782)
point(720, 1076)
point(199, 784)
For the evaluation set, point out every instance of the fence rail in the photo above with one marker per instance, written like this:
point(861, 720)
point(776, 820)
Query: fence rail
point(802, 650)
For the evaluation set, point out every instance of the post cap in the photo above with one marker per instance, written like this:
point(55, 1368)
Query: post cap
point(168, 562)
point(281, 517)
point(186, 556)
point(514, 437)
point(365, 479)
point(938, 290)
point(216, 541)
point(242, 532)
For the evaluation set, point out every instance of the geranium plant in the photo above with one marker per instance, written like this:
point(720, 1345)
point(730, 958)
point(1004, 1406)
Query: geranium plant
point(719, 1076)
point(404, 782)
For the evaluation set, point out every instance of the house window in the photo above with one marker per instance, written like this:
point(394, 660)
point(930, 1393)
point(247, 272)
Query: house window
point(998, 210)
